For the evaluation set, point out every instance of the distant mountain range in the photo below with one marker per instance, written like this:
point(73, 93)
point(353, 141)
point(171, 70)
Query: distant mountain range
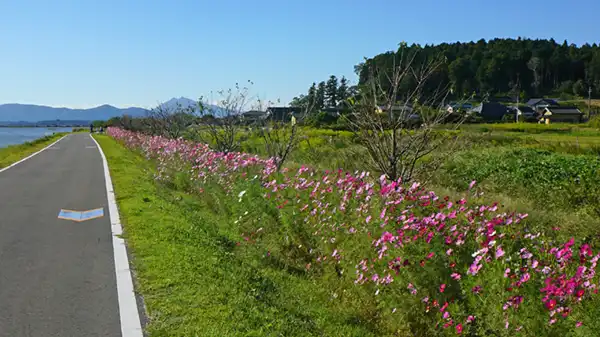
point(35, 113)
point(28, 114)
point(182, 102)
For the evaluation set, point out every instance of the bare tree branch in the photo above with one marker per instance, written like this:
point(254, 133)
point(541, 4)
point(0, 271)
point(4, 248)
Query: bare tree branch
point(398, 121)
point(168, 121)
point(281, 137)
point(220, 122)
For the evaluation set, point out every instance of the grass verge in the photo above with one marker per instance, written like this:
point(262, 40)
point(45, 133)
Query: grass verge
point(14, 153)
point(194, 280)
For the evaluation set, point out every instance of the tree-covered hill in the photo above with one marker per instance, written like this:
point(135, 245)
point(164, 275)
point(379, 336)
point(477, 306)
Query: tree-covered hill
point(504, 66)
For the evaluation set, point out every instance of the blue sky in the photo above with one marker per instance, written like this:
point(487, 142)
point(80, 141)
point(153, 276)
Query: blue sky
point(84, 53)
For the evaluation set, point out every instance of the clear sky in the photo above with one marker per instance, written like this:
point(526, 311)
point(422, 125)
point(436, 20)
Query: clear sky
point(83, 53)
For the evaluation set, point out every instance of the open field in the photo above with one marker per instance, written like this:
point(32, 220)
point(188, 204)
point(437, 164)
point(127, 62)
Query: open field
point(583, 102)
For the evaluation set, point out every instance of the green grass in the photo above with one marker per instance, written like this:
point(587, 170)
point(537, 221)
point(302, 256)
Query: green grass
point(196, 282)
point(14, 153)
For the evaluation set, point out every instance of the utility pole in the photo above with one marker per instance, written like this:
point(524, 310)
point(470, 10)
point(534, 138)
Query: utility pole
point(517, 110)
point(518, 94)
point(589, 101)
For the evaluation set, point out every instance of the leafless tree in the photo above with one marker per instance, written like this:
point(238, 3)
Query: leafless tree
point(398, 114)
point(168, 121)
point(281, 134)
point(220, 122)
point(534, 65)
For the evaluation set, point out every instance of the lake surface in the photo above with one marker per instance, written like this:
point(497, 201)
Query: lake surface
point(13, 136)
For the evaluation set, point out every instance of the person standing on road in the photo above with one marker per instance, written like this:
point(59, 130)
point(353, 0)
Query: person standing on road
point(91, 128)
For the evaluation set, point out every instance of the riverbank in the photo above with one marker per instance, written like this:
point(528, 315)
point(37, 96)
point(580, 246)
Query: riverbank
point(15, 136)
point(14, 153)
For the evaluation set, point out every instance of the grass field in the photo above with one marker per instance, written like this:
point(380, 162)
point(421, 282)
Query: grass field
point(13, 153)
point(209, 264)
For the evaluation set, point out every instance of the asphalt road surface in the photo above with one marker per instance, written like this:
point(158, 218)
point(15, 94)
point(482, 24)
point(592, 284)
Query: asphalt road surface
point(57, 277)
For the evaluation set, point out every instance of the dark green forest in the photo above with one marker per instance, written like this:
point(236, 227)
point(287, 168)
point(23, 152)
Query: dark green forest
point(524, 67)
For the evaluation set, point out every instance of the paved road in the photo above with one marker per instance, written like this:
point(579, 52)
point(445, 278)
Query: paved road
point(57, 277)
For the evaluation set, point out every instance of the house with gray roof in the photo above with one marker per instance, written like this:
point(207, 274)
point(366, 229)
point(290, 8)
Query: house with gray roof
point(253, 116)
point(541, 103)
point(561, 114)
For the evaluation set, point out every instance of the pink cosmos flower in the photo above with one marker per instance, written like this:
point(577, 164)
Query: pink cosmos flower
point(444, 307)
point(442, 287)
point(459, 328)
point(499, 252)
point(472, 184)
point(550, 304)
point(455, 276)
point(474, 269)
point(387, 237)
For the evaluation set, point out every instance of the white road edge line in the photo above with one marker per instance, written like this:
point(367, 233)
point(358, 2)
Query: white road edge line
point(128, 310)
point(31, 155)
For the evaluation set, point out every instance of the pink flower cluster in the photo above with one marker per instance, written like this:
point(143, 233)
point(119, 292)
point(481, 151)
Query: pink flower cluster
point(442, 250)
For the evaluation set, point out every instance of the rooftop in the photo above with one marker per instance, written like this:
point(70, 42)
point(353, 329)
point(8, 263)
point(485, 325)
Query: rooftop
point(564, 110)
point(535, 101)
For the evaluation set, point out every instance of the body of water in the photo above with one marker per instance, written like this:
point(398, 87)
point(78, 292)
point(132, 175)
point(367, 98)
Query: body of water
point(13, 136)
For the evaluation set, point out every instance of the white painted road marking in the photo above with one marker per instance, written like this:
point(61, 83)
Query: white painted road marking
point(90, 147)
point(130, 317)
point(78, 216)
point(24, 159)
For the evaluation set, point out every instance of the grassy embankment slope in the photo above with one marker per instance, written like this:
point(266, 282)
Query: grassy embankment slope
point(13, 153)
point(195, 283)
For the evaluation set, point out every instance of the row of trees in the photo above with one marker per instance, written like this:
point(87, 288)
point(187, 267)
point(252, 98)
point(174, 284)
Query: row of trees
point(326, 94)
point(505, 66)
